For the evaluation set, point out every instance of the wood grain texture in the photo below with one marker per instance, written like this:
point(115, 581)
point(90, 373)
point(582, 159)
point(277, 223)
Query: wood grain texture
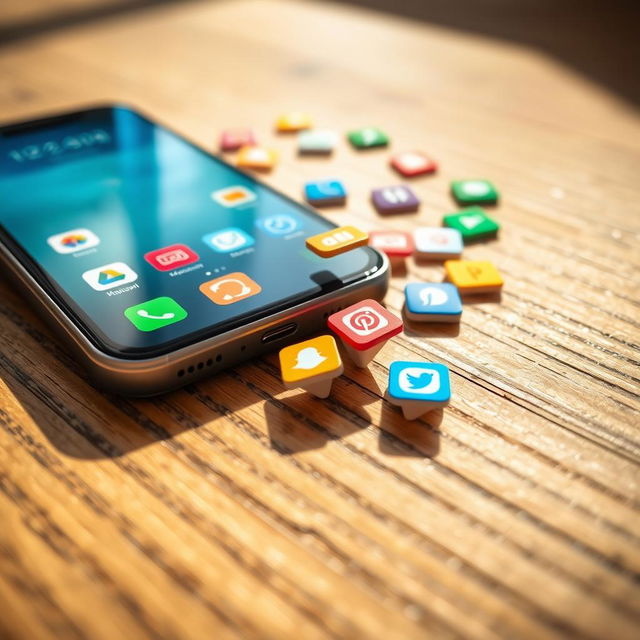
point(236, 509)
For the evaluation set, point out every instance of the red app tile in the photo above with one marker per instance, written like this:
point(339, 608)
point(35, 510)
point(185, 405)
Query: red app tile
point(171, 257)
point(396, 244)
point(365, 324)
point(413, 163)
point(233, 139)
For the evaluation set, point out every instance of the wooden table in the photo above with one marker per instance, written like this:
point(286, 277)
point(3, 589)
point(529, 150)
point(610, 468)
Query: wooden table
point(236, 509)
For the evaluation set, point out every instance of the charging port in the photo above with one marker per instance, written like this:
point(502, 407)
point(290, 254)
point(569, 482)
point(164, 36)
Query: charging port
point(280, 332)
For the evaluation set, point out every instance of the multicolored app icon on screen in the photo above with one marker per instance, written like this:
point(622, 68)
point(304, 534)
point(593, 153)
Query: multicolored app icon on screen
point(108, 276)
point(233, 196)
point(73, 240)
point(171, 257)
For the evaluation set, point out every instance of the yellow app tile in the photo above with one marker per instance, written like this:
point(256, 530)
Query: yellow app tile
point(256, 158)
point(293, 121)
point(331, 243)
point(310, 360)
point(472, 276)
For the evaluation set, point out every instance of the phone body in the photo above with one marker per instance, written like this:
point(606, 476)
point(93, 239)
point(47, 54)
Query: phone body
point(155, 261)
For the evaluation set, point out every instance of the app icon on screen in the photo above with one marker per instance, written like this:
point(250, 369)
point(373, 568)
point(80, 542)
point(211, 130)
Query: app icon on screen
point(280, 224)
point(230, 288)
point(226, 240)
point(109, 276)
point(233, 196)
point(171, 257)
point(154, 314)
point(73, 240)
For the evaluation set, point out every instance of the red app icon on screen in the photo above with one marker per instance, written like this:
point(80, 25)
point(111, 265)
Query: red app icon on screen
point(171, 257)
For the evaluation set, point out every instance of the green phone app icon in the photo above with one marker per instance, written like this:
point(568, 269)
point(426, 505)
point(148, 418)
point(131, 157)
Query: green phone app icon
point(156, 313)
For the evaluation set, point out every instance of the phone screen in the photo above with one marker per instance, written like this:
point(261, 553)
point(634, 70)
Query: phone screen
point(149, 242)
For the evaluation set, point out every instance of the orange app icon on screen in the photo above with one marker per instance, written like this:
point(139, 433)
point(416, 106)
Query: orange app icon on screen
point(230, 288)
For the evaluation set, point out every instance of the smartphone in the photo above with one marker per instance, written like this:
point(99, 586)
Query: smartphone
point(157, 262)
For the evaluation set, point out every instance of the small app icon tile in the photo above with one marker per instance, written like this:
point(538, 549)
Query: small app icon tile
point(234, 139)
point(227, 240)
point(432, 302)
point(108, 276)
point(293, 121)
point(473, 223)
point(474, 192)
point(368, 138)
point(73, 240)
point(413, 163)
point(234, 196)
point(312, 365)
point(317, 141)
point(396, 244)
point(155, 314)
point(438, 243)
point(364, 328)
point(418, 387)
point(230, 288)
point(172, 257)
point(280, 224)
point(471, 276)
point(259, 158)
point(331, 243)
point(395, 199)
point(325, 192)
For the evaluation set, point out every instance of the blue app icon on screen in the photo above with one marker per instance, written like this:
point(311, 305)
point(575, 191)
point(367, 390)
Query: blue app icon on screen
point(280, 224)
point(227, 240)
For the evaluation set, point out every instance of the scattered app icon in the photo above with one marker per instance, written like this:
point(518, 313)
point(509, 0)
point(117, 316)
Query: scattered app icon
point(418, 387)
point(312, 365)
point(154, 314)
point(280, 224)
point(474, 191)
point(227, 240)
point(473, 276)
point(230, 288)
point(171, 257)
point(293, 121)
point(234, 139)
point(432, 302)
point(368, 137)
point(413, 163)
point(438, 243)
point(395, 199)
point(259, 158)
point(73, 240)
point(325, 192)
point(320, 141)
point(473, 223)
point(233, 196)
point(396, 244)
point(335, 241)
point(109, 276)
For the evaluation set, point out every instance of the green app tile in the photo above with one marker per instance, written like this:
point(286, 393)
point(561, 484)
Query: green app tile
point(368, 137)
point(472, 223)
point(474, 191)
point(156, 313)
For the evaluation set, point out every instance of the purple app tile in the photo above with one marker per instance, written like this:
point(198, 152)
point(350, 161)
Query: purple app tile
point(396, 199)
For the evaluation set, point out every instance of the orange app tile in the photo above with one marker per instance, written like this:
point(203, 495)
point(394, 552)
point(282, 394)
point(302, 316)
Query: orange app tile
point(294, 121)
point(315, 358)
point(331, 243)
point(473, 276)
point(230, 288)
point(256, 158)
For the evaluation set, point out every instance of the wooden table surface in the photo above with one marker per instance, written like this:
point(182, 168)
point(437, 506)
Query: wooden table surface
point(236, 509)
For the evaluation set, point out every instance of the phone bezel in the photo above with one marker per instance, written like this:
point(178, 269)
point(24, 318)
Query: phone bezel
point(82, 321)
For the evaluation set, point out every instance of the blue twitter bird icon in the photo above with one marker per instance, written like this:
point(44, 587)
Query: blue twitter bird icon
point(419, 381)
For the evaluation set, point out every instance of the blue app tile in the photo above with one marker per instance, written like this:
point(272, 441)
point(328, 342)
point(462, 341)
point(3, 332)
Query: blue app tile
point(280, 224)
point(325, 192)
point(426, 381)
point(227, 240)
point(432, 301)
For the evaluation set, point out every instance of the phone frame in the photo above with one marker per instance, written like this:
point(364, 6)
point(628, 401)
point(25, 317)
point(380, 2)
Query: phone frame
point(146, 376)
